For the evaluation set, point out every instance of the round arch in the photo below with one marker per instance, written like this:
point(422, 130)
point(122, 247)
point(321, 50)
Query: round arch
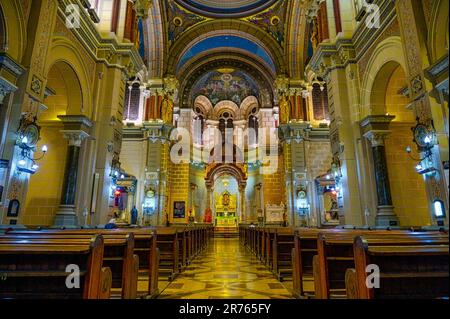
point(247, 105)
point(216, 26)
point(383, 62)
point(226, 106)
point(204, 104)
point(438, 37)
point(216, 170)
point(63, 53)
point(212, 63)
point(296, 35)
point(13, 31)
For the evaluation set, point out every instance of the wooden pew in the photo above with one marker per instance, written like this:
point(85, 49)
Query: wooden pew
point(419, 271)
point(306, 248)
point(282, 245)
point(36, 270)
point(335, 255)
point(168, 246)
point(118, 255)
point(144, 247)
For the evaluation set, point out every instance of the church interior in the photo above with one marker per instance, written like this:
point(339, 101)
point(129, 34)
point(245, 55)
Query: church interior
point(234, 149)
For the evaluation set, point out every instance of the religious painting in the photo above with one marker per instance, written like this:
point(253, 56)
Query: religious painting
point(226, 85)
point(13, 208)
point(179, 209)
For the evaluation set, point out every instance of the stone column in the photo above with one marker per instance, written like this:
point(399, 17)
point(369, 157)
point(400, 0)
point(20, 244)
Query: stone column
point(242, 216)
point(375, 130)
point(66, 215)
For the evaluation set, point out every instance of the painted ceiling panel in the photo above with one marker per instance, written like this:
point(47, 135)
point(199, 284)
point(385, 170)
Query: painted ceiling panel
point(226, 41)
point(226, 8)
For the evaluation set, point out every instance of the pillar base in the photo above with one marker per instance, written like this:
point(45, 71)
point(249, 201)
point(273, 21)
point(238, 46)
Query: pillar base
point(66, 216)
point(386, 217)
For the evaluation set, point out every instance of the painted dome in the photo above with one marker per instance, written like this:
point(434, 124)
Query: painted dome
point(226, 8)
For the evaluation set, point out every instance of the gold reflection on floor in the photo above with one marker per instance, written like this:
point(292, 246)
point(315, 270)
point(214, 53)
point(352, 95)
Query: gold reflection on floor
point(226, 270)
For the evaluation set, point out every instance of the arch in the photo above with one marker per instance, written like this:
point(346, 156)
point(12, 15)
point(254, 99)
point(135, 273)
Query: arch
point(63, 51)
point(155, 37)
point(3, 31)
point(226, 106)
point(218, 25)
point(215, 170)
point(227, 41)
point(384, 96)
point(438, 40)
point(14, 39)
point(247, 105)
point(386, 55)
point(67, 92)
point(295, 49)
point(204, 104)
point(192, 75)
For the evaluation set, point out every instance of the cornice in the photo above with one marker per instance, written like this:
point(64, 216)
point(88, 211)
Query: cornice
point(106, 50)
point(344, 51)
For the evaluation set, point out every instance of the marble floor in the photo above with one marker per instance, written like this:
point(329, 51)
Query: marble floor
point(225, 270)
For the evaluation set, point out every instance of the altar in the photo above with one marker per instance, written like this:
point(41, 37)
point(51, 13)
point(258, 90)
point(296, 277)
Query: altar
point(226, 210)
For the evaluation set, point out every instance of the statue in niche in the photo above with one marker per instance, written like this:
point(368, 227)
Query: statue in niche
point(167, 109)
point(314, 34)
point(284, 109)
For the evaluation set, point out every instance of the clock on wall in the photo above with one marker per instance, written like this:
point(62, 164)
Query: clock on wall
point(423, 136)
point(150, 193)
point(301, 194)
point(28, 133)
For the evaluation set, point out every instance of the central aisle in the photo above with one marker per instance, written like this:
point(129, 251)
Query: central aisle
point(226, 270)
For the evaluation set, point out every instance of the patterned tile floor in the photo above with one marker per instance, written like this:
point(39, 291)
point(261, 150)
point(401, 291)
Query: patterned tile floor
point(226, 270)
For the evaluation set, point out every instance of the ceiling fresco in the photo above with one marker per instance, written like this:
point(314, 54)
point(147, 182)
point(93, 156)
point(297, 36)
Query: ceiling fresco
point(226, 42)
point(225, 84)
point(226, 8)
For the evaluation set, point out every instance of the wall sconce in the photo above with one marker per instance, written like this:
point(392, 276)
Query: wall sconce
point(438, 209)
point(27, 137)
point(425, 138)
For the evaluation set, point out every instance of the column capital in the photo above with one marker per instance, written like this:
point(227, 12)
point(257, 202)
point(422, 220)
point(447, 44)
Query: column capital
point(376, 127)
point(75, 137)
point(6, 87)
point(376, 138)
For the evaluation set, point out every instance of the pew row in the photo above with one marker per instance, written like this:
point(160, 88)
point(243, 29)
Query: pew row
point(36, 270)
point(411, 271)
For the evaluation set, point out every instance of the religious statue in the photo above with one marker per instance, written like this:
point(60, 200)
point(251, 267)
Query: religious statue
point(208, 215)
point(167, 109)
point(314, 34)
point(284, 109)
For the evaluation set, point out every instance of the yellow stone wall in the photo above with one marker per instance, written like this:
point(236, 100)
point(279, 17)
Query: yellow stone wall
point(179, 188)
point(274, 186)
point(407, 187)
point(44, 192)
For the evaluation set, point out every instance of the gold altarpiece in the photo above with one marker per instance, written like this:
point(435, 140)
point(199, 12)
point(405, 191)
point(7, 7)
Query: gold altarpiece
point(226, 209)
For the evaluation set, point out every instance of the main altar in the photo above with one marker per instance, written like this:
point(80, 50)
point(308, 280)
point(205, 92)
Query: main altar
point(226, 210)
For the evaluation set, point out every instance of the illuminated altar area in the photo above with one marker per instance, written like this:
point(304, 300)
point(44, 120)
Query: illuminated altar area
point(225, 202)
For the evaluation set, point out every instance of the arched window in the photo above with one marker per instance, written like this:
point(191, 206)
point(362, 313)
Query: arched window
point(253, 124)
point(320, 102)
point(132, 102)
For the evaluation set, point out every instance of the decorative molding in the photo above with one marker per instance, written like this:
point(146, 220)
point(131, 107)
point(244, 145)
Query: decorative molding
point(6, 88)
point(75, 137)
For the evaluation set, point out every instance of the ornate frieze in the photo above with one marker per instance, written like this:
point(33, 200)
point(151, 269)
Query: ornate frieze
point(6, 87)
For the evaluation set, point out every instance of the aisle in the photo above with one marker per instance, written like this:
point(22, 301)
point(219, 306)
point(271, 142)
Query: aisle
point(226, 270)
